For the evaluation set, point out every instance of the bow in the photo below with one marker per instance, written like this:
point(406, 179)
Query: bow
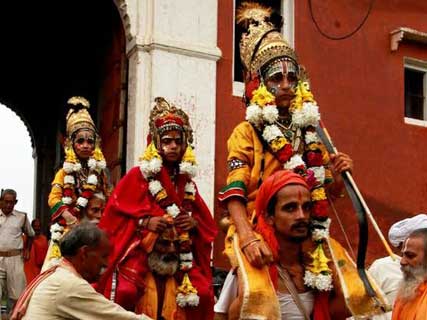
point(362, 212)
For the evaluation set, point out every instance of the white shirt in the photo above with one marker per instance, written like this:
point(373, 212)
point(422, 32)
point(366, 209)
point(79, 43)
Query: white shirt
point(11, 228)
point(288, 308)
point(65, 295)
point(387, 275)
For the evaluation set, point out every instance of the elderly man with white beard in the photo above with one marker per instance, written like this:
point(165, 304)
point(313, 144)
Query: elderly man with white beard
point(162, 279)
point(411, 301)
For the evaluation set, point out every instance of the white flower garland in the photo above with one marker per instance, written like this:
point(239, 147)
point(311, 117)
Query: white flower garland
point(271, 132)
point(308, 115)
point(190, 188)
point(149, 168)
point(188, 168)
point(320, 281)
point(56, 231)
point(173, 210)
point(70, 168)
point(191, 300)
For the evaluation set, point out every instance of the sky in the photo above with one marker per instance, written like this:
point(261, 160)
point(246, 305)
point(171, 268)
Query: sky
point(16, 161)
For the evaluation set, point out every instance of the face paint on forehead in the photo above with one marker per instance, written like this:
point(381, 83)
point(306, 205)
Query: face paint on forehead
point(280, 67)
point(299, 196)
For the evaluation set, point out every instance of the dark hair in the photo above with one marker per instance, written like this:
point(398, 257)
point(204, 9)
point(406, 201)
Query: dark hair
point(8, 191)
point(271, 205)
point(85, 234)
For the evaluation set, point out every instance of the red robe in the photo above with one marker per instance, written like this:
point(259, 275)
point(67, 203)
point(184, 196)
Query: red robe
point(130, 201)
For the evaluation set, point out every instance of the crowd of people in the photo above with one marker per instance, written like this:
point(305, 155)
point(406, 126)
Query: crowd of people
point(142, 250)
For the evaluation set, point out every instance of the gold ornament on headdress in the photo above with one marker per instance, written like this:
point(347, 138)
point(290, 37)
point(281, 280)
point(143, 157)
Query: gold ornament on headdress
point(78, 116)
point(164, 110)
point(262, 42)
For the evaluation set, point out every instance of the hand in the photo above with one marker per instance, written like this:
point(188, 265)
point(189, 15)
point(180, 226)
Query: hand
point(341, 162)
point(157, 224)
point(26, 254)
point(70, 220)
point(185, 222)
point(257, 253)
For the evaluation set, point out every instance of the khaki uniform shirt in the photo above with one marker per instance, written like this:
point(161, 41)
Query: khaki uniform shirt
point(11, 228)
point(65, 295)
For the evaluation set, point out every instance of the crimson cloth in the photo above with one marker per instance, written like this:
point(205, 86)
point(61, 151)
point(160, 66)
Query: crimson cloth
point(132, 200)
point(266, 192)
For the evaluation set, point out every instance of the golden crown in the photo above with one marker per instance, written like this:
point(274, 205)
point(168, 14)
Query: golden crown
point(165, 117)
point(262, 42)
point(78, 116)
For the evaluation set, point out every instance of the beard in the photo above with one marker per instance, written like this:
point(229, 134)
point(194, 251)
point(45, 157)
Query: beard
point(163, 264)
point(413, 277)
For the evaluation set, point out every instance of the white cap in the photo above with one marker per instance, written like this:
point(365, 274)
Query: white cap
point(402, 229)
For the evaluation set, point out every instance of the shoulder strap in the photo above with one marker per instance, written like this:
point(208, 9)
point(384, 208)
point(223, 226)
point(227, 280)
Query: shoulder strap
point(283, 274)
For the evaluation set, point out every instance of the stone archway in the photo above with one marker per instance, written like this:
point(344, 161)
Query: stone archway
point(42, 67)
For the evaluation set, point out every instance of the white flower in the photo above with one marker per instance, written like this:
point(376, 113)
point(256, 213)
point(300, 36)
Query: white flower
point(254, 114)
point(173, 210)
point(150, 168)
point(56, 227)
point(311, 137)
point(68, 167)
point(190, 188)
point(191, 299)
point(82, 202)
point(320, 282)
point(186, 256)
point(144, 166)
point(188, 168)
point(308, 116)
point(319, 173)
point(56, 236)
point(155, 187)
point(293, 162)
point(91, 163)
point(77, 167)
point(324, 282)
point(68, 179)
point(271, 132)
point(270, 113)
point(67, 200)
point(322, 224)
point(155, 165)
point(102, 164)
point(186, 265)
point(319, 234)
point(309, 279)
point(56, 231)
point(92, 179)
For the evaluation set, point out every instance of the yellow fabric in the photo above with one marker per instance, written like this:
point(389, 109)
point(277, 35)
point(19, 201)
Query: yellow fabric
point(245, 145)
point(412, 310)
point(358, 302)
point(259, 294)
point(148, 303)
point(55, 194)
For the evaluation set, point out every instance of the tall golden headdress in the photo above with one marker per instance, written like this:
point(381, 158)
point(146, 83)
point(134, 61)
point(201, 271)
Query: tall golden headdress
point(78, 116)
point(262, 42)
point(165, 117)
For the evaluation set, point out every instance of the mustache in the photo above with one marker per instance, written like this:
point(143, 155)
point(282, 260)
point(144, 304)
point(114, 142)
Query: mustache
point(301, 224)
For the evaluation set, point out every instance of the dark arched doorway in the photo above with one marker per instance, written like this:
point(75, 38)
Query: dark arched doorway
point(53, 50)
